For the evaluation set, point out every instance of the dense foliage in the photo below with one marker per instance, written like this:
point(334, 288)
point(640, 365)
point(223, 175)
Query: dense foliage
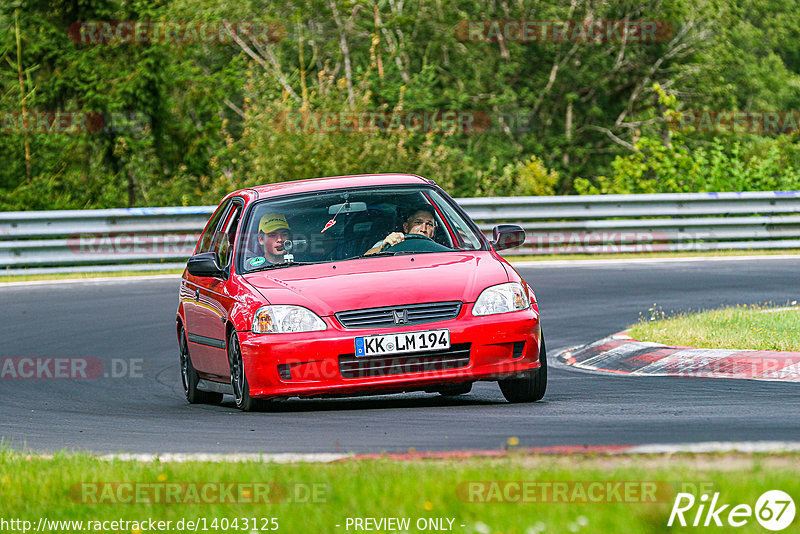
point(185, 122)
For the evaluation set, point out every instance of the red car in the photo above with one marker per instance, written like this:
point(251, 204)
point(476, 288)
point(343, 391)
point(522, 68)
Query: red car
point(354, 285)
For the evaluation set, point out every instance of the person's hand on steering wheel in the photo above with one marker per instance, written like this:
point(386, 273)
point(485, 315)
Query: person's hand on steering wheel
point(392, 239)
point(408, 237)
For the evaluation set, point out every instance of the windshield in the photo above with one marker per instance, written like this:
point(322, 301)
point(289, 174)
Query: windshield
point(349, 224)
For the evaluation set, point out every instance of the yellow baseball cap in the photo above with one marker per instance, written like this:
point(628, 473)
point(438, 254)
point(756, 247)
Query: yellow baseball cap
point(272, 222)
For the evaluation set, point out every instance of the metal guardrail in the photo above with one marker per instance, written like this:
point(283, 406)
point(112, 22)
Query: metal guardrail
point(648, 223)
point(153, 238)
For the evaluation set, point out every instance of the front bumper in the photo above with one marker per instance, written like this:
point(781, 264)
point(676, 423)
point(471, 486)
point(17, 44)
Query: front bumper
point(308, 364)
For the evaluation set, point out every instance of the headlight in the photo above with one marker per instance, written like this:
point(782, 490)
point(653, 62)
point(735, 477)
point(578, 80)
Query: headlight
point(285, 319)
point(501, 298)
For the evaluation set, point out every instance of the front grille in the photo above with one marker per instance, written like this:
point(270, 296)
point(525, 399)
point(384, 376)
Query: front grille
point(453, 358)
point(408, 314)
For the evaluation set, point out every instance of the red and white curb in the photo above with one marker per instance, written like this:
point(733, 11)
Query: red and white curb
point(622, 354)
point(702, 447)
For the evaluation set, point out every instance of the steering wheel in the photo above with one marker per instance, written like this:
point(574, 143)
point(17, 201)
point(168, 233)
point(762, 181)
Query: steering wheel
point(417, 236)
point(417, 243)
point(409, 237)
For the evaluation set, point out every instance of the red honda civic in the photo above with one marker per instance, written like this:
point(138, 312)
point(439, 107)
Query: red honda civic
point(354, 285)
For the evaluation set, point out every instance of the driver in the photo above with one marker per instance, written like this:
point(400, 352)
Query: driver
point(420, 222)
point(273, 232)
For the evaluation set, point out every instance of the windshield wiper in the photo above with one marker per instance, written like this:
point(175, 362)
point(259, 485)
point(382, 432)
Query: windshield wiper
point(383, 253)
point(373, 255)
point(279, 265)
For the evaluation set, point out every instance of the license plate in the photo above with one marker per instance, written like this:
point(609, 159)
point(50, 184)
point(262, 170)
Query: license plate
point(401, 343)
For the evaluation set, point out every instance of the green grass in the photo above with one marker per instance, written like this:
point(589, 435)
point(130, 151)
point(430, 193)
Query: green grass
point(754, 327)
point(34, 487)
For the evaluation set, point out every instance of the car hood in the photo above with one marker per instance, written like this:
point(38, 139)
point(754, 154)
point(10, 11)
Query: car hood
point(328, 288)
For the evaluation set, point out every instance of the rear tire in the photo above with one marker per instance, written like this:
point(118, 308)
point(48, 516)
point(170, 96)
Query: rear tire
point(241, 388)
point(531, 387)
point(189, 377)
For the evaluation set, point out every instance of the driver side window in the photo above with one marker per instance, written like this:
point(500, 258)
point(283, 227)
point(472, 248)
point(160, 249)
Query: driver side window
point(227, 234)
point(463, 237)
point(210, 238)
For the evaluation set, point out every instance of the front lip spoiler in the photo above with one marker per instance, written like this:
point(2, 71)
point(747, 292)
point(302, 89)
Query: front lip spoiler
point(414, 384)
point(397, 384)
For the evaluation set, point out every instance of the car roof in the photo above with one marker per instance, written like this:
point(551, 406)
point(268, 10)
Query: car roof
point(337, 182)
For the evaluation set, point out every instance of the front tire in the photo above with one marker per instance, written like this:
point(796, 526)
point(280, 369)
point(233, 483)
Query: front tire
point(241, 388)
point(531, 387)
point(189, 377)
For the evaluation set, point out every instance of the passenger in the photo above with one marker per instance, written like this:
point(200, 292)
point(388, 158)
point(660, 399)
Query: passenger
point(273, 232)
point(420, 222)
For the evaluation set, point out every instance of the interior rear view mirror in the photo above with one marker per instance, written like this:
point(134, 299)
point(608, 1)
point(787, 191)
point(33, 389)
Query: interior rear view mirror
point(347, 207)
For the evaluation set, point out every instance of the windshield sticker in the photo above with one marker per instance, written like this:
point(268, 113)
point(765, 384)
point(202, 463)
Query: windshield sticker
point(255, 262)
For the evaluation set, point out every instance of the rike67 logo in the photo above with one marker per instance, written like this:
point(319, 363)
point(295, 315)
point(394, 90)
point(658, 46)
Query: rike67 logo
point(774, 510)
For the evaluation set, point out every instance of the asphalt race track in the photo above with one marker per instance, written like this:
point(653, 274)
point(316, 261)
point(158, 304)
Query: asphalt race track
point(126, 323)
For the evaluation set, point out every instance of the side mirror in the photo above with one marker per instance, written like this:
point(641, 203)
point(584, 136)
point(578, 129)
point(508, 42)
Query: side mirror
point(205, 264)
point(507, 236)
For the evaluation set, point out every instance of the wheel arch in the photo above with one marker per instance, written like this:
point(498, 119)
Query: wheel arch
point(240, 318)
point(229, 327)
point(179, 323)
point(180, 319)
